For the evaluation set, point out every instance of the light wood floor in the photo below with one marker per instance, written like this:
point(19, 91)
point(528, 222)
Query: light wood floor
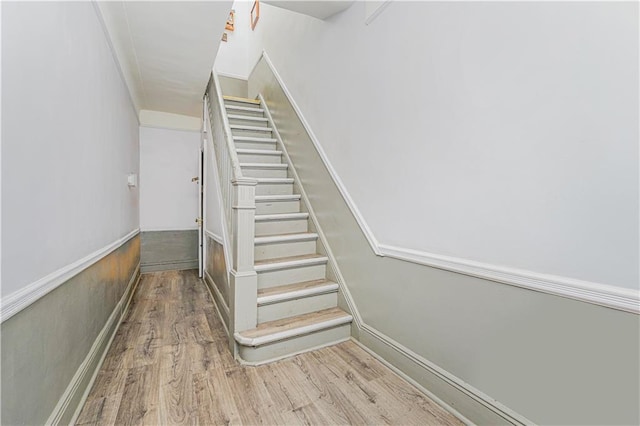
point(169, 364)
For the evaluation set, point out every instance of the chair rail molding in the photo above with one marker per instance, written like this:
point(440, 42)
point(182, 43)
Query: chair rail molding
point(17, 301)
point(606, 295)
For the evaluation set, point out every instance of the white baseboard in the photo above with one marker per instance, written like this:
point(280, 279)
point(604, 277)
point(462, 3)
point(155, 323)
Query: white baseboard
point(90, 366)
point(614, 297)
point(17, 301)
point(458, 397)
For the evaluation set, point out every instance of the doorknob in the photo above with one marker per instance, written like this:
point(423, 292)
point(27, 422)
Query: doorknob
point(195, 179)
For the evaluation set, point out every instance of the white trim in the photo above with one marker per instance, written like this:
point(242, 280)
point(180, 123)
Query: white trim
point(217, 238)
point(83, 370)
point(466, 391)
point(600, 294)
point(377, 12)
point(18, 300)
point(231, 75)
point(619, 298)
point(294, 332)
point(334, 175)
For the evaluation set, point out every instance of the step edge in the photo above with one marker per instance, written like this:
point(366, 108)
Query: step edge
point(258, 151)
point(282, 197)
point(246, 117)
point(290, 264)
point(241, 99)
point(254, 139)
point(264, 165)
point(325, 288)
point(285, 238)
point(243, 108)
point(255, 128)
point(294, 332)
point(275, 180)
point(281, 217)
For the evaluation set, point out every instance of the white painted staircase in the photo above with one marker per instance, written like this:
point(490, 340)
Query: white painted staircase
point(297, 306)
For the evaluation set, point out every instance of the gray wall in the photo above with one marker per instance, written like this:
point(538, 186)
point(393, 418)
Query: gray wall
point(169, 250)
point(44, 345)
point(523, 353)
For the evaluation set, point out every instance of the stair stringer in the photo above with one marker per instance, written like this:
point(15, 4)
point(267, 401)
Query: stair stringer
point(345, 300)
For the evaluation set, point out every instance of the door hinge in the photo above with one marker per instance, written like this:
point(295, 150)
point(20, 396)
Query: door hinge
point(199, 221)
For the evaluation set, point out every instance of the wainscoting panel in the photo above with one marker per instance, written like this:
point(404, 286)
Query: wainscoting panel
point(169, 250)
point(51, 348)
point(216, 277)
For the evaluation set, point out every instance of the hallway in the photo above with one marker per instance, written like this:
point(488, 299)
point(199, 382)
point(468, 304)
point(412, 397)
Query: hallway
point(169, 364)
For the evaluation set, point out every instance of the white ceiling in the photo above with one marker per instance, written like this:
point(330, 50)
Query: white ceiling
point(321, 9)
point(166, 49)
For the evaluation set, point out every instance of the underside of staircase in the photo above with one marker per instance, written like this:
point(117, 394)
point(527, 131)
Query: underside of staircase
point(297, 303)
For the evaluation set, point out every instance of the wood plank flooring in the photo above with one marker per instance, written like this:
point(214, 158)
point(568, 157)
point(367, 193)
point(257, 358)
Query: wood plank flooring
point(169, 364)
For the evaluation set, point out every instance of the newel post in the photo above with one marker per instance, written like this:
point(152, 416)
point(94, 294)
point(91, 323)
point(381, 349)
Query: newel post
point(244, 280)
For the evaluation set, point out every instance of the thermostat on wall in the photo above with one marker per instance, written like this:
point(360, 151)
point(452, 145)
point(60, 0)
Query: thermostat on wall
point(132, 180)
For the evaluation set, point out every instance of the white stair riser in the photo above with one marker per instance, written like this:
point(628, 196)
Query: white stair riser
point(234, 111)
point(246, 122)
point(255, 145)
point(298, 344)
point(259, 158)
point(295, 307)
point(267, 173)
point(268, 279)
point(251, 133)
point(281, 227)
point(275, 250)
point(278, 207)
point(274, 189)
point(242, 104)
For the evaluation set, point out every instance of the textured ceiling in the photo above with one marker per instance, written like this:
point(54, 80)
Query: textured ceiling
point(166, 49)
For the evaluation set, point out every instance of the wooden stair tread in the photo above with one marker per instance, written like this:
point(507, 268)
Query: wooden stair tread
point(270, 291)
point(239, 99)
point(286, 238)
point(288, 259)
point(289, 327)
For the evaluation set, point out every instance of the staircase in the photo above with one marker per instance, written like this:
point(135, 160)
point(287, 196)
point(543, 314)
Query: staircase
point(296, 302)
